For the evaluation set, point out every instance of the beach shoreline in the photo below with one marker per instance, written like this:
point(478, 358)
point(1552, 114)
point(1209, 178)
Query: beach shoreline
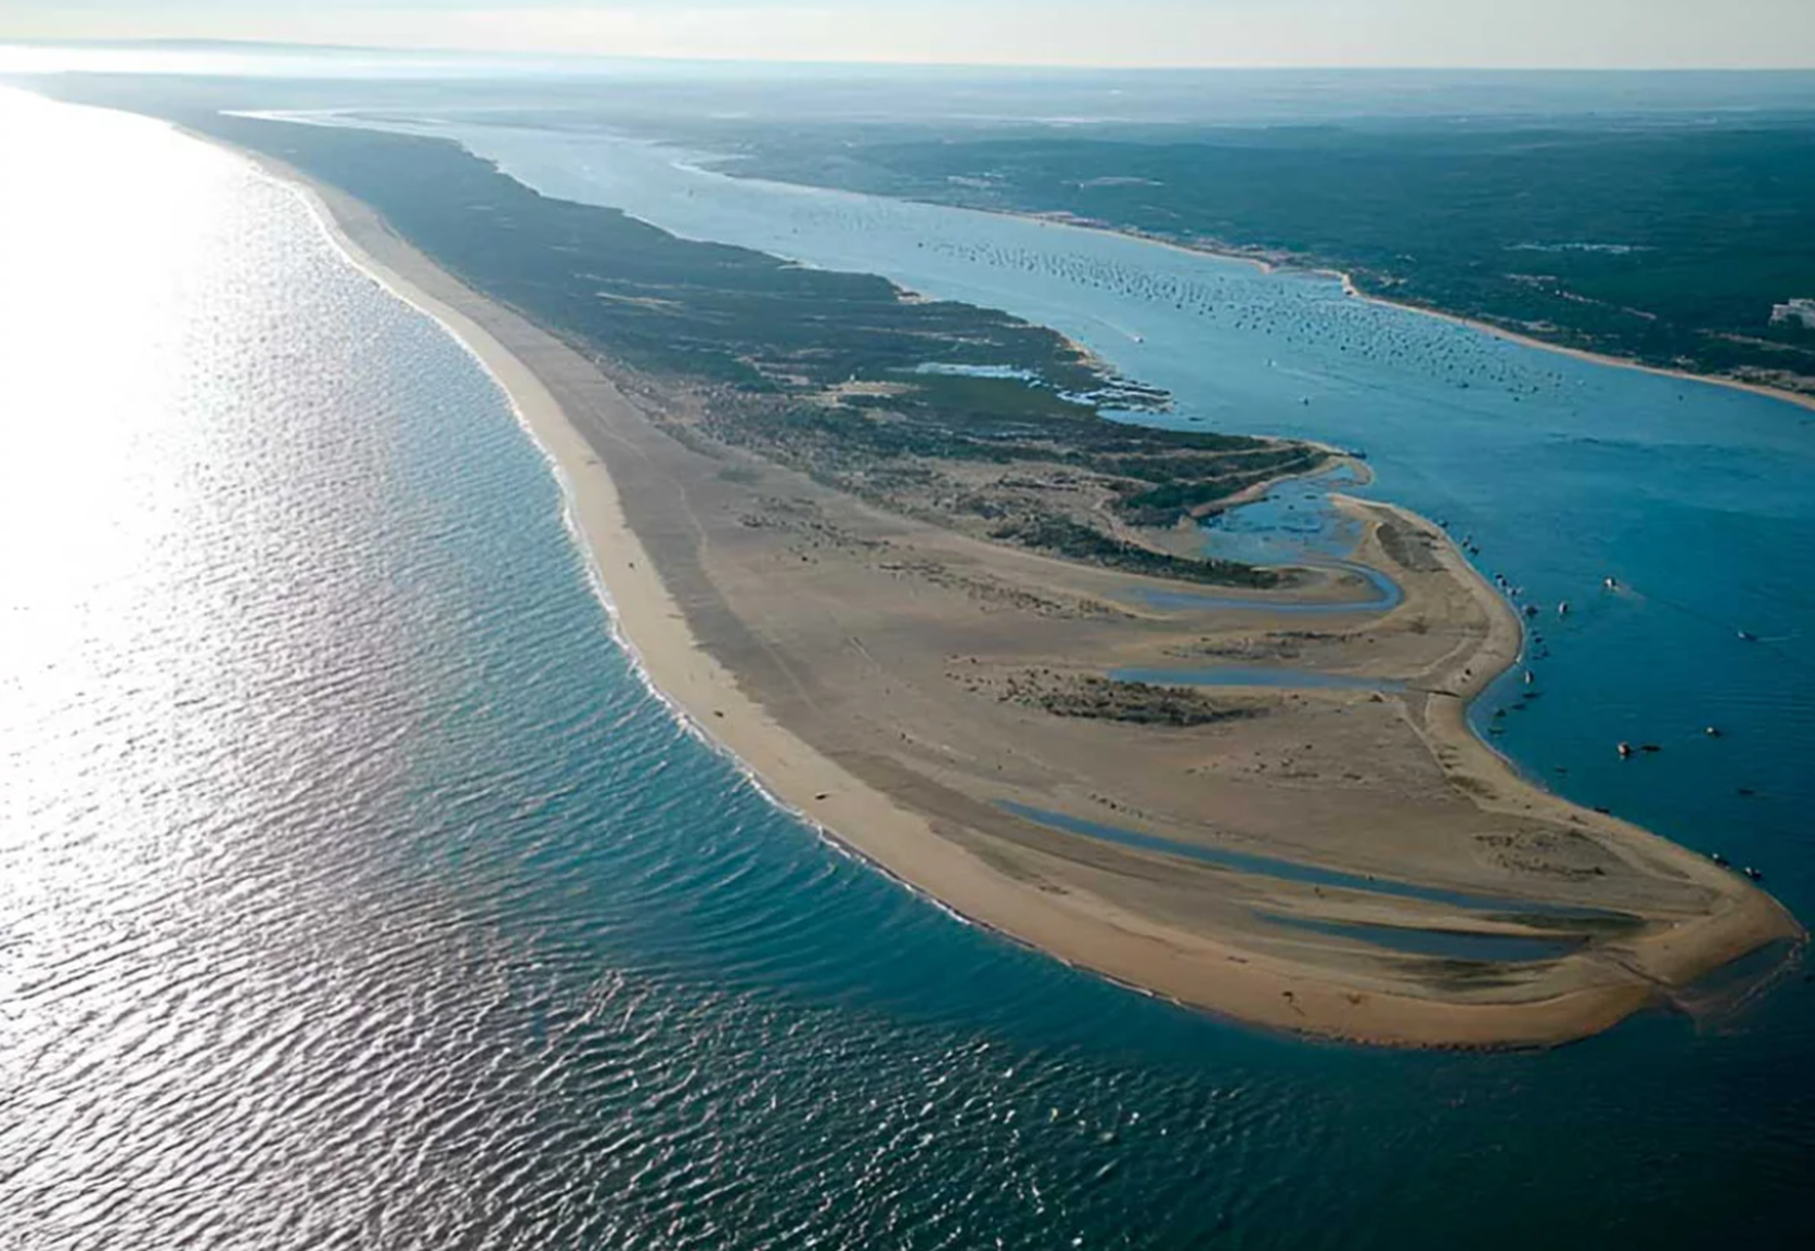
point(653, 623)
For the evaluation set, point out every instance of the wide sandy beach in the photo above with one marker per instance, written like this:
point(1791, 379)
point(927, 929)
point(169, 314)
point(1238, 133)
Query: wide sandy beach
point(902, 687)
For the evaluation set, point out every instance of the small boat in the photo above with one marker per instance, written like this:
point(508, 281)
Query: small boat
point(1563, 609)
point(1718, 859)
point(1529, 679)
point(1712, 731)
point(1611, 584)
point(1752, 873)
point(1625, 750)
point(1746, 636)
point(1531, 610)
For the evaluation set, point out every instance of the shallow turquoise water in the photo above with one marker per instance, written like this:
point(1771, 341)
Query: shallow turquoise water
point(354, 891)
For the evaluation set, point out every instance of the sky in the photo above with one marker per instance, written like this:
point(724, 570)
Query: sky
point(1397, 33)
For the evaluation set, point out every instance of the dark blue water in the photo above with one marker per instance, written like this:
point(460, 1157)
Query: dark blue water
point(355, 892)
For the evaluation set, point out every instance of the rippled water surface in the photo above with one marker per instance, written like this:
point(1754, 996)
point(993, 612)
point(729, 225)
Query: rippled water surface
point(355, 892)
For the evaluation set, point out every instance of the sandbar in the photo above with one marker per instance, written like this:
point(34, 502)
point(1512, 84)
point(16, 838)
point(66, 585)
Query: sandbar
point(914, 693)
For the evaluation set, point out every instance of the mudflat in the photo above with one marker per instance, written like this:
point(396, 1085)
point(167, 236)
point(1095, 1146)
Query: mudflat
point(1345, 858)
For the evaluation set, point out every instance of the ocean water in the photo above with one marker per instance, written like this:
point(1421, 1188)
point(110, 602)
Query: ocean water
point(354, 890)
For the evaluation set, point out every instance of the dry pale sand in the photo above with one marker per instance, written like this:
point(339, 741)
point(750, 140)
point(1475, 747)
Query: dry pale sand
point(898, 684)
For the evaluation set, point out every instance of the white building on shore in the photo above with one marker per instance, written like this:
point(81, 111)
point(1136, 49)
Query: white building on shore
point(1795, 311)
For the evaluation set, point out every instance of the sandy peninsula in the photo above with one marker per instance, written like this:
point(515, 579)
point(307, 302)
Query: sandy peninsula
point(1296, 857)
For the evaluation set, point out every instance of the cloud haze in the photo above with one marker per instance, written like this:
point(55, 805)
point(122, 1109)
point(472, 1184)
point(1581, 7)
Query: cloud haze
point(1474, 33)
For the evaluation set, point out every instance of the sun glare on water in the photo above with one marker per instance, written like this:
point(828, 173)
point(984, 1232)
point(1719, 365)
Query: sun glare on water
point(110, 462)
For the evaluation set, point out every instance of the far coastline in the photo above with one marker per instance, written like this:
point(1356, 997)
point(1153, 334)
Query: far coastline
point(1269, 263)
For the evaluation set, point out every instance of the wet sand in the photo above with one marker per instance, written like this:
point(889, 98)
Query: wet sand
point(899, 685)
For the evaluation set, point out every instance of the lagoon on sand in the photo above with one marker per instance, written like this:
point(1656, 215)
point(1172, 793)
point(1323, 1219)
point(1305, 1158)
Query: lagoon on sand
point(626, 963)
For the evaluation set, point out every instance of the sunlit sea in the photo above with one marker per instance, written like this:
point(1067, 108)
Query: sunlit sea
point(355, 891)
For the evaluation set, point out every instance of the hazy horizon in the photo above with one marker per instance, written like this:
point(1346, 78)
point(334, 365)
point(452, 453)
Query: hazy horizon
point(1138, 34)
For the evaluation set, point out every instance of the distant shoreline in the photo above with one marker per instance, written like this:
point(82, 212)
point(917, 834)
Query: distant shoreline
point(1276, 264)
point(559, 396)
point(1269, 265)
